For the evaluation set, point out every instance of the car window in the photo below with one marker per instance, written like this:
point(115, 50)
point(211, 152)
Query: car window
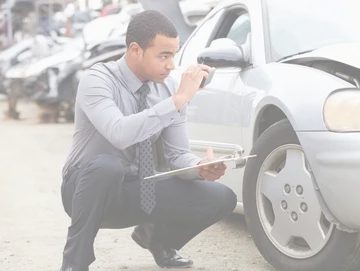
point(234, 24)
point(240, 29)
point(199, 40)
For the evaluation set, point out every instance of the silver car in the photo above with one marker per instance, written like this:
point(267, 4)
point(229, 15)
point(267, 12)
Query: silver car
point(286, 88)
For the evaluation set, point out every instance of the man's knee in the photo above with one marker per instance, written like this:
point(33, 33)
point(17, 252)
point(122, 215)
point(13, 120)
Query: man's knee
point(221, 199)
point(224, 199)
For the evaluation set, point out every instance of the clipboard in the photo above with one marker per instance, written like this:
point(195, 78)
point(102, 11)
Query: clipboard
point(193, 170)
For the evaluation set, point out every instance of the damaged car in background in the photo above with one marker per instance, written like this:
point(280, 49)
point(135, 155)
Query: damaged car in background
point(46, 75)
point(286, 89)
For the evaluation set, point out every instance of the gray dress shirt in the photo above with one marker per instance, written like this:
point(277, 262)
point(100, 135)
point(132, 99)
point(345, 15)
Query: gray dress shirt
point(107, 121)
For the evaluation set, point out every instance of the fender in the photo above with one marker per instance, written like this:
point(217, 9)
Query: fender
point(301, 101)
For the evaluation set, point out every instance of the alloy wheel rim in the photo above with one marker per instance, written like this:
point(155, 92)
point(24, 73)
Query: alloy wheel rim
point(287, 204)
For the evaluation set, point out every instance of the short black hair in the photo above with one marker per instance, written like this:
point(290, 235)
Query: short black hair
point(144, 27)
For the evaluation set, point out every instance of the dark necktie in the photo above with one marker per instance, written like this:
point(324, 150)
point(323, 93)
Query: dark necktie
point(146, 165)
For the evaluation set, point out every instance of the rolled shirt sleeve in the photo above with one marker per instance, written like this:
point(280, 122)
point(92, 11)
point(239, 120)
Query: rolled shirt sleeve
point(176, 144)
point(95, 97)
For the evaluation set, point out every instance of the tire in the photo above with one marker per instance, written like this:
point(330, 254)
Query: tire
point(283, 212)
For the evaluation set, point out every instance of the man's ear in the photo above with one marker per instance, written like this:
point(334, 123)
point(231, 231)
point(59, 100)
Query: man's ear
point(135, 49)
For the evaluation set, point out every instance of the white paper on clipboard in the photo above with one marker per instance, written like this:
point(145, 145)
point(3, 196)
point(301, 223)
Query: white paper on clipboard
point(193, 170)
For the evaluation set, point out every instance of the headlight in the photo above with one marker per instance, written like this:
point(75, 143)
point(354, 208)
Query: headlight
point(342, 111)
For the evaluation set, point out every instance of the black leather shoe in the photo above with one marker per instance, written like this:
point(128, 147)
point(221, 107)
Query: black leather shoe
point(168, 258)
point(173, 260)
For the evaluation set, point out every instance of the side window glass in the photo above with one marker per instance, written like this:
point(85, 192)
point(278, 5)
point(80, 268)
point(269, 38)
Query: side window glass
point(237, 27)
point(240, 29)
point(199, 40)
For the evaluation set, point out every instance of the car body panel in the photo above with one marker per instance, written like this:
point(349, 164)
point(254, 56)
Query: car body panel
point(335, 162)
point(229, 109)
point(292, 95)
point(239, 103)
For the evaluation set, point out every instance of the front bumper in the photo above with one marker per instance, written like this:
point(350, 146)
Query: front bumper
point(335, 162)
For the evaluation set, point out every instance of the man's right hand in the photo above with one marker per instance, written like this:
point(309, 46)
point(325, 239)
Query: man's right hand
point(190, 83)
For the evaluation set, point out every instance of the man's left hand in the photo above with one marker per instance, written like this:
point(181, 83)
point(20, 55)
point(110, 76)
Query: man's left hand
point(211, 172)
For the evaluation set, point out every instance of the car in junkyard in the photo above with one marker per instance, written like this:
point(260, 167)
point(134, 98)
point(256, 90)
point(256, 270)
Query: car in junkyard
point(286, 89)
point(46, 74)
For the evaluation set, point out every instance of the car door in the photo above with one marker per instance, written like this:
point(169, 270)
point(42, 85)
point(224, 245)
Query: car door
point(214, 114)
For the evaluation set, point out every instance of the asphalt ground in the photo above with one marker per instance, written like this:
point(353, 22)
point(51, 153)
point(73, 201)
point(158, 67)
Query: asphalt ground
point(33, 224)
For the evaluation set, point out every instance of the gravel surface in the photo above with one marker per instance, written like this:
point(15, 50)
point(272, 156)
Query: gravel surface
point(33, 224)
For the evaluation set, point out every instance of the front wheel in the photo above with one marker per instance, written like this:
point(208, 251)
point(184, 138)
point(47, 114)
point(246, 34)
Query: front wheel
point(283, 211)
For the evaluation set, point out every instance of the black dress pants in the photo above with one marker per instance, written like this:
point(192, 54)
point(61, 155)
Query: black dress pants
point(101, 195)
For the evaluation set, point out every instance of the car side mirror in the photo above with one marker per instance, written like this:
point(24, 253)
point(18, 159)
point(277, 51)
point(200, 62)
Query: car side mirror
point(223, 52)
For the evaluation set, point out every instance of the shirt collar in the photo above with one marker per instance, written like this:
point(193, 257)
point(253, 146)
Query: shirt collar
point(132, 81)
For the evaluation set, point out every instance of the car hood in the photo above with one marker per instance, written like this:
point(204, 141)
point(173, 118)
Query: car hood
point(37, 66)
point(347, 53)
point(340, 60)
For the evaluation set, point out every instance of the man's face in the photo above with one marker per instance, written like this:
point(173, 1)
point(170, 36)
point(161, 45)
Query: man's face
point(157, 60)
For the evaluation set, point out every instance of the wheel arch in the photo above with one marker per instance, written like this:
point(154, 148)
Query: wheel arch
point(268, 115)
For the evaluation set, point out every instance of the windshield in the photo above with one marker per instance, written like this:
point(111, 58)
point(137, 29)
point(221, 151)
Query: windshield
point(299, 26)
